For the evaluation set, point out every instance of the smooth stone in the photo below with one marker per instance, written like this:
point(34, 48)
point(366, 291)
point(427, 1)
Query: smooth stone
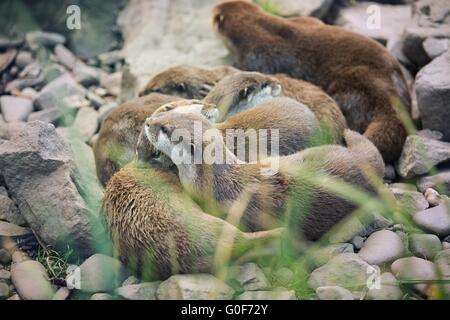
point(15, 108)
point(62, 294)
point(357, 242)
point(442, 261)
point(5, 276)
point(333, 293)
point(382, 247)
point(267, 295)
point(346, 230)
point(389, 289)
point(320, 256)
point(31, 281)
point(86, 75)
point(23, 59)
point(433, 197)
point(430, 134)
point(141, 291)
point(424, 246)
point(130, 280)
point(20, 256)
point(101, 296)
point(86, 123)
point(14, 297)
point(414, 268)
point(112, 83)
point(435, 220)
point(411, 201)
point(37, 38)
point(5, 257)
point(442, 178)
point(65, 56)
point(4, 291)
point(52, 116)
point(8, 209)
point(251, 277)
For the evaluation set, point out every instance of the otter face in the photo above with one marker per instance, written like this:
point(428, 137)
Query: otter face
point(186, 81)
point(242, 91)
point(209, 111)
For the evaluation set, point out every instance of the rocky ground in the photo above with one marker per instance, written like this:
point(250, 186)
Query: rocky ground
point(55, 92)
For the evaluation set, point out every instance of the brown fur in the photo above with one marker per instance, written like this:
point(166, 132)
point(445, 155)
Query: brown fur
point(187, 81)
point(157, 230)
point(356, 71)
point(310, 210)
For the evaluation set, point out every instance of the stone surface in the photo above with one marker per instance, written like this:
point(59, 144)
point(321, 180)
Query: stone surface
point(85, 75)
point(194, 287)
point(442, 261)
point(424, 246)
point(320, 256)
point(11, 230)
point(251, 277)
point(20, 256)
point(5, 276)
point(112, 82)
point(434, 181)
point(15, 108)
point(4, 291)
point(290, 8)
point(130, 280)
point(50, 201)
point(346, 270)
point(52, 115)
point(411, 201)
point(38, 38)
point(141, 291)
point(432, 87)
point(62, 294)
point(433, 197)
point(420, 154)
point(31, 281)
point(86, 123)
point(430, 134)
point(333, 293)
point(414, 268)
point(357, 242)
point(101, 273)
point(382, 247)
point(435, 47)
point(435, 220)
point(8, 209)
point(23, 59)
point(267, 295)
point(5, 257)
point(101, 296)
point(65, 56)
point(389, 289)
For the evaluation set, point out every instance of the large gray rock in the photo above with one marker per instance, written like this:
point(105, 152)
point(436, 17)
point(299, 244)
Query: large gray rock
point(333, 293)
point(101, 273)
point(346, 270)
point(424, 246)
point(414, 268)
point(160, 34)
point(382, 247)
point(440, 179)
point(194, 287)
point(420, 154)
point(31, 281)
point(141, 291)
point(389, 289)
point(250, 277)
point(432, 87)
point(435, 220)
point(15, 108)
point(8, 209)
point(267, 295)
point(45, 181)
point(290, 8)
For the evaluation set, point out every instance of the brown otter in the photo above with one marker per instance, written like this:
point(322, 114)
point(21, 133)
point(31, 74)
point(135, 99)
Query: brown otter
point(310, 209)
point(359, 73)
point(243, 90)
point(118, 136)
point(187, 81)
point(157, 230)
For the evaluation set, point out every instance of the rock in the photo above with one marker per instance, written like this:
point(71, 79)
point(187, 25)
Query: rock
point(389, 172)
point(36, 39)
point(15, 108)
point(430, 134)
point(141, 291)
point(267, 295)
point(14, 297)
point(65, 56)
point(59, 204)
point(96, 101)
point(62, 294)
point(4, 291)
point(12, 230)
point(435, 181)
point(445, 245)
point(283, 277)
point(100, 273)
point(5, 257)
point(424, 246)
point(8, 209)
point(112, 82)
point(435, 47)
point(29, 93)
point(86, 75)
point(130, 280)
point(194, 287)
point(5, 276)
point(290, 8)
point(319, 257)
point(129, 85)
point(432, 87)
point(435, 220)
point(20, 256)
point(52, 72)
point(433, 197)
point(101, 296)
point(23, 59)
point(411, 201)
point(394, 19)
point(420, 154)
point(357, 242)
point(382, 247)
point(52, 115)
point(110, 58)
point(402, 186)
point(374, 222)
point(86, 123)
point(31, 281)
point(442, 261)
point(52, 95)
point(333, 293)
point(346, 230)
point(251, 277)
point(389, 289)
point(346, 270)
point(414, 268)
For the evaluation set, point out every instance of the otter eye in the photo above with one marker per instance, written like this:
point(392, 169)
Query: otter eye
point(181, 87)
point(218, 19)
point(245, 92)
point(164, 130)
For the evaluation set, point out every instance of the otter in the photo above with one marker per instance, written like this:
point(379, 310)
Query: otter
point(118, 136)
point(244, 90)
point(309, 209)
point(187, 81)
point(363, 78)
point(157, 230)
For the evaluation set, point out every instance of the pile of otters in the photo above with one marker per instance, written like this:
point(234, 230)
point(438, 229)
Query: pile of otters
point(301, 77)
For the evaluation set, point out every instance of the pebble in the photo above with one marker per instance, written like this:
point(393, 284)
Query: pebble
point(319, 257)
point(15, 108)
point(250, 277)
point(130, 280)
point(333, 293)
point(382, 247)
point(31, 281)
point(441, 179)
point(112, 83)
point(411, 201)
point(37, 38)
point(23, 59)
point(62, 294)
point(357, 242)
point(141, 291)
point(86, 75)
point(86, 123)
point(424, 246)
point(5, 276)
point(101, 296)
point(435, 220)
point(433, 197)
point(435, 47)
point(346, 231)
point(267, 295)
point(110, 58)
point(442, 261)
point(4, 291)
point(194, 287)
point(65, 56)
point(389, 289)
point(48, 116)
point(413, 268)
point(96, 101)
point(20, 256)
point(5, 257)
point(445, 245)
point(29, 92)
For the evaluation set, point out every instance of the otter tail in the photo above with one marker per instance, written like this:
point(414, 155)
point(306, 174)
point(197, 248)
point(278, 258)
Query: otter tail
point(365, 150)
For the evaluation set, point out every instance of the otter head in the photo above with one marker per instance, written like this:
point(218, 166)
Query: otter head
point(186, 81)
point(241, 91)
point(208, 110)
